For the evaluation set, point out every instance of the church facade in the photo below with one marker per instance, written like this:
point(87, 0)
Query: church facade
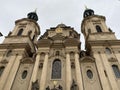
point(55, 61)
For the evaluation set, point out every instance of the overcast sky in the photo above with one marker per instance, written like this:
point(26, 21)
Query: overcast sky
point(53, 12)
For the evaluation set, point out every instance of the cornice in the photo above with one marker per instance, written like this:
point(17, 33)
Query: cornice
point(103, 42)
point(87, 59)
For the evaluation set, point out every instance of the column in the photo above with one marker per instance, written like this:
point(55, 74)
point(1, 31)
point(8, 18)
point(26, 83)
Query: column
point(100, 69)
point(78, 73)
point(13, 72)
point(109, 72)
point(44, 73)
point(68, 72)
point(35, 70)
point(6, 72)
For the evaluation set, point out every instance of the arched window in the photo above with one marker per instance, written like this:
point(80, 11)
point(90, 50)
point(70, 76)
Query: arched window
point(24, 74)
point(56, 69)
point(116, 71)
point(20, 32)
point(89, 74)
point(1, 70)
point(107, 50)
point(98, 28)
point(8, 53)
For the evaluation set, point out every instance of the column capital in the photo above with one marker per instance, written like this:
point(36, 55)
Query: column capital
point(77, 52)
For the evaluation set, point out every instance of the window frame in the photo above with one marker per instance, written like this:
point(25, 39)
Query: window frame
point(20, 32)
point(98, 28)
point(116, 70)
point(52, 72)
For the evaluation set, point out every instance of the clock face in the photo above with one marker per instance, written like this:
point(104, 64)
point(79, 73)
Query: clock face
point(58, 30)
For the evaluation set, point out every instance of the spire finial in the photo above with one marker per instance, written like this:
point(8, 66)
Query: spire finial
point(35, 10)
point(86, 7)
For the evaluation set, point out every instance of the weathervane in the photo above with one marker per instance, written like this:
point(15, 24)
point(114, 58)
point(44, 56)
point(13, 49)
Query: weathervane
point(35, 10)
point(86, 7)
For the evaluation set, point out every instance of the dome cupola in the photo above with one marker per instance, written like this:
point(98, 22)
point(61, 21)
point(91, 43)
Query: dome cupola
point(88, 12)
point(33, 16)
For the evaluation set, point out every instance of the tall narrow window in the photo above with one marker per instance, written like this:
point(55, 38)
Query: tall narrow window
point(98, 28)
point(1, 70)
point(20, 32)
point(107, 50)
point(56, 69)
point(116, 71)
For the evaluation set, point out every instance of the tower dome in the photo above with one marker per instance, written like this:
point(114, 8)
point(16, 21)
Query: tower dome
point(88, 12)
point(33, 16)
point(61, 25)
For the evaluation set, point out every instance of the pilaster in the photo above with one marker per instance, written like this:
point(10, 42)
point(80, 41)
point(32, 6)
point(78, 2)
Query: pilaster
point(100, 67)
point(35, 70)
point(78, 73)
point(6, 72)
point(44, 73)
point(68, 72)
point(109, 72)
point(13, 72)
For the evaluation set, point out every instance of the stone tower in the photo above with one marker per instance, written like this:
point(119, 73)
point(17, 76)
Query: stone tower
point(17, 54)
point(102, 59)
point(55, 61)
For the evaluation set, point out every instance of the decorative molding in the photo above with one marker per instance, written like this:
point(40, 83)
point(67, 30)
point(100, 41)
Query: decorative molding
point(87, 59)
point(112, 59)
point(4, 61)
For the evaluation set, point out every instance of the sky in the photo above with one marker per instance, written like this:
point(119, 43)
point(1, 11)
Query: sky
point(53, 12)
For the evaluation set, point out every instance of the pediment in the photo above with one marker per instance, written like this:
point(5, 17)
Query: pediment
point(58, 37)
point(27, 60)
point(87, 59)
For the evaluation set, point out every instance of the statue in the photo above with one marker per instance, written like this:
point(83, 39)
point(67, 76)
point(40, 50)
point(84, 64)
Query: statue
point(35, 85)
point(48, 88)
point(74, 86)
point(60, 87)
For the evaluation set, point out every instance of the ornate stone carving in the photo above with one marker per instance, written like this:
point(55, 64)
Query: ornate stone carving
point(57, 88)
point(41, 65)
point(4, 61)
point(48, 88)
point(35, 85)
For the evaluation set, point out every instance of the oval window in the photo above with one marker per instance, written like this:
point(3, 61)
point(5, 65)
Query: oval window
point(89, 74)
point(24, 74)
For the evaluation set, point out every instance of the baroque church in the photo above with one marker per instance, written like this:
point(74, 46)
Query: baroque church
point(55, 61)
